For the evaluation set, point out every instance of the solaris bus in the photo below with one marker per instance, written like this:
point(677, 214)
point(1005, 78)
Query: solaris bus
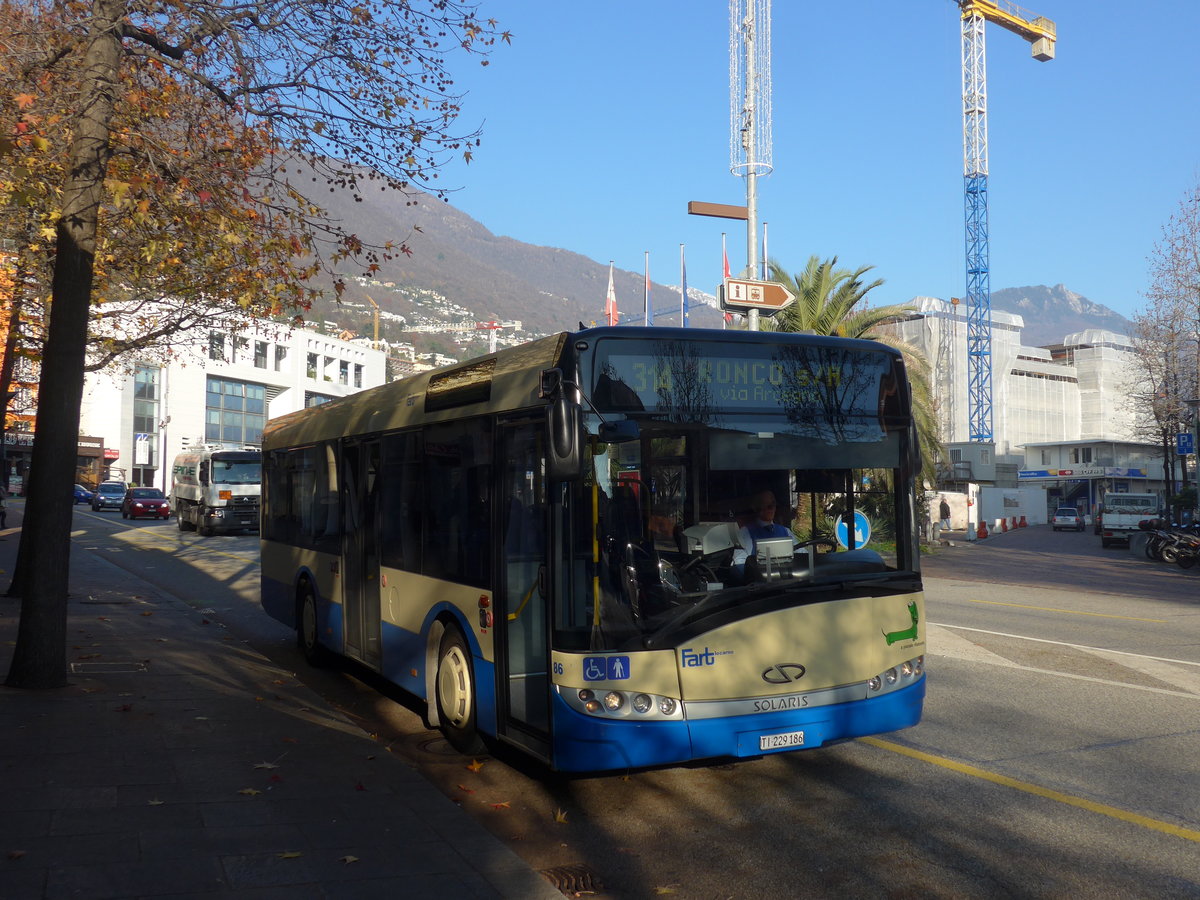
point(553, 545)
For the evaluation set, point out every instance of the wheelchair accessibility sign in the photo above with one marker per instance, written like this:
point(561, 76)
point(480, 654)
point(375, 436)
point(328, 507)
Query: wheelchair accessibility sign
point(605, 668)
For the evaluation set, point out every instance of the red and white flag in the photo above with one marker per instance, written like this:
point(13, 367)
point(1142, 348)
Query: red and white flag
point(725, 257)
point(610, 299)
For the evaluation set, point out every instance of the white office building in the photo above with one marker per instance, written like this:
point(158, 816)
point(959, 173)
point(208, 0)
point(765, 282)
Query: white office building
point(217, 388)
point(1061, 414)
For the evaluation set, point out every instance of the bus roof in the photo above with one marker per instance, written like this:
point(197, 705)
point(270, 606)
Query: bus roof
point(512, 376)
point(509, 379)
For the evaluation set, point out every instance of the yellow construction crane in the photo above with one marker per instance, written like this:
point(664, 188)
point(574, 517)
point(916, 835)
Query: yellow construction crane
point(1041, 35)
point(375, 316)
point(1038, 30)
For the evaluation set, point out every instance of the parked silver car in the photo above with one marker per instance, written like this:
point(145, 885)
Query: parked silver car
point(1067, 517)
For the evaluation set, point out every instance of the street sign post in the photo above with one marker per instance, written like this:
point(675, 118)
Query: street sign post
point(768, 297)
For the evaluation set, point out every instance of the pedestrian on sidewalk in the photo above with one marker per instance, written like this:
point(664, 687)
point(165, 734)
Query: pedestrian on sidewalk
point(944, 514)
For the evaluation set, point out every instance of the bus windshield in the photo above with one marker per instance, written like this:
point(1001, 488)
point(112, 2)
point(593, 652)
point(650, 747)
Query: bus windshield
point(746, 480)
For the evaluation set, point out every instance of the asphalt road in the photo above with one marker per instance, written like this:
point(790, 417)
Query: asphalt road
point(1057, 756)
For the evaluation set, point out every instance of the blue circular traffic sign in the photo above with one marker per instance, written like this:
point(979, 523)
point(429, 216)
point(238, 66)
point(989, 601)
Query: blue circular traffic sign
point(862, 530)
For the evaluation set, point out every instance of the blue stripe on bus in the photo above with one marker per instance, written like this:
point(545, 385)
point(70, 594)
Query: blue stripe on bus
point(404, 653)
point(279, 600)
point(584, 743)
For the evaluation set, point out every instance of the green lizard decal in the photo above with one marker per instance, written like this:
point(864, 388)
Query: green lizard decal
point(908, 634)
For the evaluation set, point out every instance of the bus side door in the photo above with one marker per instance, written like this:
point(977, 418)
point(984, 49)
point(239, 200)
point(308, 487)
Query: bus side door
point(523, 654)
point(360, 551)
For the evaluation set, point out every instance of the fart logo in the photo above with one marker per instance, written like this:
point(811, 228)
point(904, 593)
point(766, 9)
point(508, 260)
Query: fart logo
point(693, 660)
point(908, 634)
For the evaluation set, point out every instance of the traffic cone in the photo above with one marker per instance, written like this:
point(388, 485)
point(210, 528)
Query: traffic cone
point(1014, 524)
point(1004, 524)
point(1023, 524)
point(982, 532)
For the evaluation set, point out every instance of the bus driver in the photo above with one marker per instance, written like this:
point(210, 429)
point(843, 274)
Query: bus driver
point(763, 526)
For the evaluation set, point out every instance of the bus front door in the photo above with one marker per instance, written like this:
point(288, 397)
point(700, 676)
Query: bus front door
point(523, 651)
point(360, 551)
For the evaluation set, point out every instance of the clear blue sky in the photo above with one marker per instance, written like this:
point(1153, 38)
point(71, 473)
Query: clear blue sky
point(602, 120)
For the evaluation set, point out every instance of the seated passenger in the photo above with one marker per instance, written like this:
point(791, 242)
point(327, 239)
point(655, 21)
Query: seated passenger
point(763, 526)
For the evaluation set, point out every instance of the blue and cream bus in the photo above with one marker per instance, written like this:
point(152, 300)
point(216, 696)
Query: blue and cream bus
point(543, 544)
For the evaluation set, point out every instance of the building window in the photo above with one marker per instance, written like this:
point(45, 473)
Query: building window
point(144, 468)
point(314, 399)
point(260, 354)
point(280, 356)
point(357, 375)
point(311, 365)
point(1081, 454)
point(344, 372)
point(235, 412)
point(1045, 457)
point(216, 345)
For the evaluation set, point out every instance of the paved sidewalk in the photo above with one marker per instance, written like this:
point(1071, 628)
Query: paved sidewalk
point(180, 763)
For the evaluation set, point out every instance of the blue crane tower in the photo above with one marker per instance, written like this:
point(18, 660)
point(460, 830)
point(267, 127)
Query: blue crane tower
point(1041, 34)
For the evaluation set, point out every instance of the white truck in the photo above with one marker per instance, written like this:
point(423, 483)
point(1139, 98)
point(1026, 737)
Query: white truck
point(216, 490)
point(1121, 513)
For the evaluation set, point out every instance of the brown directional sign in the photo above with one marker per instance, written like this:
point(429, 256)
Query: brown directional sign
point(766, 296)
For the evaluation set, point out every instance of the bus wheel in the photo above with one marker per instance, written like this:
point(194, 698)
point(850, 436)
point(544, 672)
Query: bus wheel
point(456, 693)
point(306, 626)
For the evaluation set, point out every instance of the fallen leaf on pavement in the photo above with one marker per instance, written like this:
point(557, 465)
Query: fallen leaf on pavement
point(465, 789)
point(503, 804)
point(148, 613)
point(474, 765)
point(16, 854)
point(349, 859)
point(560, 816)
point(265, 765)
point(290, 854)
point(157, 802)
point(665, 889)
point(249, 792)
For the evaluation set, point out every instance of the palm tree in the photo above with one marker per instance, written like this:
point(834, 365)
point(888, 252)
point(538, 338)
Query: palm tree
point(830, 301)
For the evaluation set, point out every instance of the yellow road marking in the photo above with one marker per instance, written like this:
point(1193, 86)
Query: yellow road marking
point(1073, 612)
point(1124, 815)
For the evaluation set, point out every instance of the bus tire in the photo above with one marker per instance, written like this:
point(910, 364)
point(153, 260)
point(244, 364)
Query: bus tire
point(455, 693)
point(306, 626)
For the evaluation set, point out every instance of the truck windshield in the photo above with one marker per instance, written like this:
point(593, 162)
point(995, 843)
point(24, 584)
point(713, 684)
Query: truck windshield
point(232, 471)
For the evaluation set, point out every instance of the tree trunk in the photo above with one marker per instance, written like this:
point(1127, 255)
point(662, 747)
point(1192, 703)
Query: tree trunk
point(40, 656)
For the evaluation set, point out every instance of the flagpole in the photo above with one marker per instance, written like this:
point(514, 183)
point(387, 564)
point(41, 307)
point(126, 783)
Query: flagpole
point(647, 315)
point(725, 274)
point(683, 315)
point(765, 265)
point(610, 299)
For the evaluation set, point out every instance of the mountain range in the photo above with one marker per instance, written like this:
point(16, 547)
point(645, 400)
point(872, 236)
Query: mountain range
point(458, 270)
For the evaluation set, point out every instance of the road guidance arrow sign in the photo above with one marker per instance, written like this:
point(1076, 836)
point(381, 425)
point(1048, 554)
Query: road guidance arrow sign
point(768, 297)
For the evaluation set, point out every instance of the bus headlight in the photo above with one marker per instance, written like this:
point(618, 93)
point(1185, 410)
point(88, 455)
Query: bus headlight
point(621, 704)
point(908, 672)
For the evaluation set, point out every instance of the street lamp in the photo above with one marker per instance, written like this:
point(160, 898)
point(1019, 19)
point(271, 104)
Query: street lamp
point(162, 427)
